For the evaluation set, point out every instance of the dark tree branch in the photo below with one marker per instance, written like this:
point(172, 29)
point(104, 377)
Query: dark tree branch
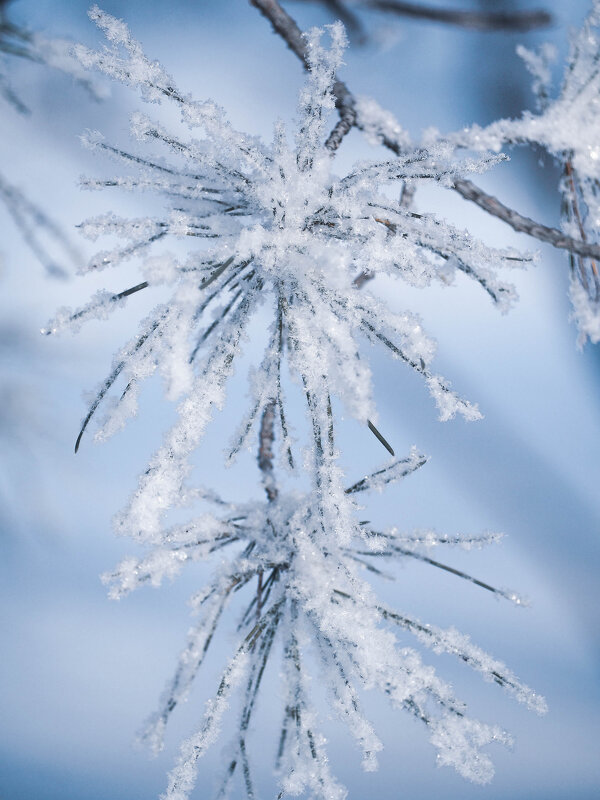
point(488, 21)
point(284, 26)
point(475, 20)
point(287, 28)
point(340, 11)
point(265, 450)
point(346, 122)
point(380, 437)
point(518, 222)
point(289, 31)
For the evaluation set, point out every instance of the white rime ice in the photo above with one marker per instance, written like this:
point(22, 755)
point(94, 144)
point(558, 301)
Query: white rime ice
point(273, 226)
point(568, 128)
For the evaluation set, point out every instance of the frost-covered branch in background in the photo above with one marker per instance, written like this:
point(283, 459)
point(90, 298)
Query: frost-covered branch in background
point(19, 42)
point(36, 227)
point(567, 127)
point(41, 233)
point(273, 227)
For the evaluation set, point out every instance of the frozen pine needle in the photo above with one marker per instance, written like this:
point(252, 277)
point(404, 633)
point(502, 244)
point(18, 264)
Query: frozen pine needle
point(272, 226)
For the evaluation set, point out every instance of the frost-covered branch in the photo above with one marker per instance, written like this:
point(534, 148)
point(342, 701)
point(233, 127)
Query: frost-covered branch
point(270, 226)
point(566, 126)
point(282, 570)
point(35, 226)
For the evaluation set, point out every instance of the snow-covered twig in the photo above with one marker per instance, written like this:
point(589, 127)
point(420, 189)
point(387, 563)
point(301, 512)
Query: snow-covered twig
point(271, 226)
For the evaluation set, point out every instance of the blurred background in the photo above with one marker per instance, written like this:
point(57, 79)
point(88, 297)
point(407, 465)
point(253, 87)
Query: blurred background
point(79, 673)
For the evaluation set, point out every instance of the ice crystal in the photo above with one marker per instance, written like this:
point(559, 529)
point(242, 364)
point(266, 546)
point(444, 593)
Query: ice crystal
point(278, 227)
point(287, 545)
point(274, 227)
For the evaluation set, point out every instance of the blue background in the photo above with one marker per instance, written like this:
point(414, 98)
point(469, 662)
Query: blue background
point(79, 673)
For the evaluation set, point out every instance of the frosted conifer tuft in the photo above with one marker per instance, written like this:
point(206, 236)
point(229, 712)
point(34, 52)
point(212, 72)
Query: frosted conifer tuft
point(273, 227)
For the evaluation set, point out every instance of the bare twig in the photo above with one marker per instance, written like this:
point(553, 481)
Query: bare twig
point(518, 222)
point(340, 10)
point(475, 20)
point(287, 28)
point(265, 450)
point(289, 31)
point(379, 436)
point(488, 21)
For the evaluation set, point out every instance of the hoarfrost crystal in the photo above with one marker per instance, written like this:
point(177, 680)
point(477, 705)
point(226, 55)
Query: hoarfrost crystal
point(273, 226)
point(568, 128)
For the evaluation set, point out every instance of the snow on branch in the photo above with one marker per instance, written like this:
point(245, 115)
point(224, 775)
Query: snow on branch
point(567, 128)
point(273, 227)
